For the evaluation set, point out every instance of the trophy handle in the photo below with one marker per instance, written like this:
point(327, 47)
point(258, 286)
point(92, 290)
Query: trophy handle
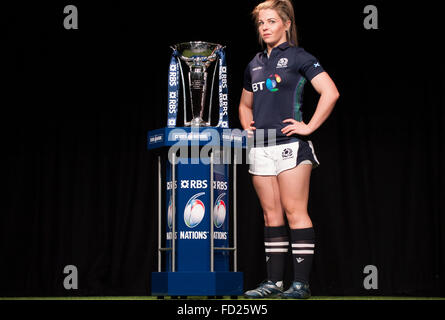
point(211, 93)
point(183, 96)
point(214, 56)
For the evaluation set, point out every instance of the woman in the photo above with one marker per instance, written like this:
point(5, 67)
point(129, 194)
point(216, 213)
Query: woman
point(282, 157)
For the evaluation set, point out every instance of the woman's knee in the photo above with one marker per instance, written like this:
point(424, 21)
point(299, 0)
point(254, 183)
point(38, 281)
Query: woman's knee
point(295, 211)
point(273, 217)
point(298, 218)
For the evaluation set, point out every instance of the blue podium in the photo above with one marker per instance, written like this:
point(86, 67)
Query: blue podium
point(197, 223)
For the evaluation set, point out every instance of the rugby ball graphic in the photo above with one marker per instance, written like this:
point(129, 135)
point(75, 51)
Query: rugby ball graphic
point(194, 211)
point(170, 214)
point(219, 211)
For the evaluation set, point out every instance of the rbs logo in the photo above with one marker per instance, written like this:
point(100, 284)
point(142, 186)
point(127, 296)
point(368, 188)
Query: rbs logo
point(193, 184)
point(220, 185)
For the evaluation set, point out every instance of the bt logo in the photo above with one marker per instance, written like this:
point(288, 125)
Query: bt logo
point(271, 83)
point(257, 86)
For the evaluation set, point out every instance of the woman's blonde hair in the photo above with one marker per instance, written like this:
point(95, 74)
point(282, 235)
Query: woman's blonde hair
point(285, 10)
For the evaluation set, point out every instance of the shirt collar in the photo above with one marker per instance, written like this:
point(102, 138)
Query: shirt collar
point(282, 47)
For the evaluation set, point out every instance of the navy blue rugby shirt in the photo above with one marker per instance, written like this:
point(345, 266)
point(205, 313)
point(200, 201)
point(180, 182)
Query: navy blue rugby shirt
point(277, 84)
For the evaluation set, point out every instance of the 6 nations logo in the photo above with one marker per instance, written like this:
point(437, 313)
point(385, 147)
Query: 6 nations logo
point(194, 211)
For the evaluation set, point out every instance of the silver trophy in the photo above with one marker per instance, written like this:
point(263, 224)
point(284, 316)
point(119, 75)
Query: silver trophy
point(199, 57)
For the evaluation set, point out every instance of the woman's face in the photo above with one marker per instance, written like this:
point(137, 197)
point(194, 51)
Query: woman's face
point(271, 28)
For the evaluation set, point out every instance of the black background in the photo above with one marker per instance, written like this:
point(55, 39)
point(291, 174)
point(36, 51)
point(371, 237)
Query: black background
point(79, 185)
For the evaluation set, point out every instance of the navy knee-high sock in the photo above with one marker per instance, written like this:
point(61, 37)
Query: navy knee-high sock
point(276, 243)
point(303, 246)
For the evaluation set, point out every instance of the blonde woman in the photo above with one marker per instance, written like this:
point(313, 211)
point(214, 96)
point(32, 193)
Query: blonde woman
point(282, 157)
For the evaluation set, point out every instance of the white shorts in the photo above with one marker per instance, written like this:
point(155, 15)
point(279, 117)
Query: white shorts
point(272, 160)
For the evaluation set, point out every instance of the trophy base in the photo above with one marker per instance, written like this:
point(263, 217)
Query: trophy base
point(197, 122)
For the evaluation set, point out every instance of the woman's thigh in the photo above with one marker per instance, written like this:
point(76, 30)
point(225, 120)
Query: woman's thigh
point(294, 194)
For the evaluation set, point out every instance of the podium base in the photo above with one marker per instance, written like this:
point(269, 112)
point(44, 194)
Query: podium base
point(196, 283)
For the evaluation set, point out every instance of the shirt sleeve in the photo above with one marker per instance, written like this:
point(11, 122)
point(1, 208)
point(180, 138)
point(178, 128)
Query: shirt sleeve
point(309, 66)
point(247, 79)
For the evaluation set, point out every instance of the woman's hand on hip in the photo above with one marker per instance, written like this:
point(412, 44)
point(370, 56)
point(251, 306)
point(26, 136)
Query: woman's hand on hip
point(296, 127)
point(250, 129)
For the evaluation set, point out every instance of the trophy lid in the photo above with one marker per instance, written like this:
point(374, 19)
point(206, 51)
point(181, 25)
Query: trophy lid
point(195, 51)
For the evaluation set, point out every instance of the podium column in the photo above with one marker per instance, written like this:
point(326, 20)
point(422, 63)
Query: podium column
point(197, 234)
